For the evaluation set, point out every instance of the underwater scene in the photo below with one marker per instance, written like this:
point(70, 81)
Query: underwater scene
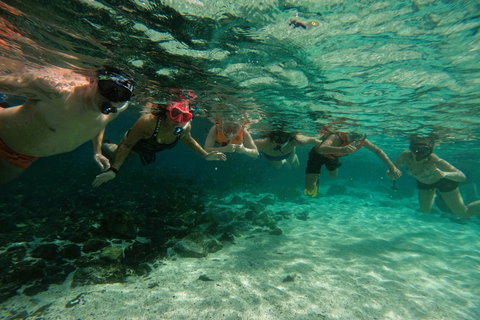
point(271, 159)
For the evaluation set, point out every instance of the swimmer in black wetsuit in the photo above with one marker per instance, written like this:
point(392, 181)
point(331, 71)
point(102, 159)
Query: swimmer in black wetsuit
point(160, 129)
point(433, 173)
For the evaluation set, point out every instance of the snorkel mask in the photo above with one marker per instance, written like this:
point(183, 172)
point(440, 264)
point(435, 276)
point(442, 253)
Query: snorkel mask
point(179, 113)
point(356, 138)
point(231, 130)
point(422, 150)
point(279, 141)
point(182, 114)
point(115, 88)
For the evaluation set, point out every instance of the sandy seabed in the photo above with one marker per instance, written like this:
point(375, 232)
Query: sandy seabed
point(373, 258)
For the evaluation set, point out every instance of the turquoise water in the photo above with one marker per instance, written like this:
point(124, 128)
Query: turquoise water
point(389, 69)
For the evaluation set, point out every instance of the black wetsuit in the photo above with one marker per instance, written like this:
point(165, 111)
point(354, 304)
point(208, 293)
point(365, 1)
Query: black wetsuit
point(147, 148)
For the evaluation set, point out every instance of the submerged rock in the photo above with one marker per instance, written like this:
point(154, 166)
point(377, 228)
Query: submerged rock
point(112, 253)
point(276, 232)
point(249, 215)
point(72, 251)
point(93, 245)
point(264, 220)
point(47, 252)
point(236, 200)
point(119, 225)
point(227, 237)
point(197, 245)
point(290, 278)
point(302, 215)
point(257, 207)
point(266, 201)
point(204, 277)
point(98, 275)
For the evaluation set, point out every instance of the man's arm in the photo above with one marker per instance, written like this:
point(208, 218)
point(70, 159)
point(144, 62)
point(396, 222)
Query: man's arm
point(193, 145)
point(304, 140)
point(261, 143)
point(28, 86)
point(329, 146)
point(449, 171)
point(138, 131)
point(394, 173)
point(248, 147)
point(101, 160)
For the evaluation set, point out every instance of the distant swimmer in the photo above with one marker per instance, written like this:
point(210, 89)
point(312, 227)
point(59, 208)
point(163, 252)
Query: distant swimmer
point(58, 117)
point(334, 146)
point(279, 147)
point(432, 174)
point(231, 135)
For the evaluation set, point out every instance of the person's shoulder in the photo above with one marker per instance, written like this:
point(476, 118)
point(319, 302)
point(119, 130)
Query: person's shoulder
point(407, 154)
point(147, 118)
point(435, 159)
point(261, 143)
point(146, 122)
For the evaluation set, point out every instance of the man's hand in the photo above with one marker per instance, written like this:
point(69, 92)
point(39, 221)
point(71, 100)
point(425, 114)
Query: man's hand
point(215, 155)
point(394, 173)
point(349, 149)
point(240, 148)
point(102, 161)
point(229, 148)
point(103, 177)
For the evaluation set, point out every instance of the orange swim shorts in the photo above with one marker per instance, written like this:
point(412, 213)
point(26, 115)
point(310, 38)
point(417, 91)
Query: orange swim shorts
point(15, 159)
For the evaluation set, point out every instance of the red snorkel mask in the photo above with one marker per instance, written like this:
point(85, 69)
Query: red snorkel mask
point(179, 112)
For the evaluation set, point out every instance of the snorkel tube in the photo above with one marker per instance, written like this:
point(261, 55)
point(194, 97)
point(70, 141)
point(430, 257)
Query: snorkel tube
point(107, 108)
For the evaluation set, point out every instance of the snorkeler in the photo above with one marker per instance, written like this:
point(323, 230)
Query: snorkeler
point(279, 147)
point(334, 146)
point(433, 173)
point(57, 117)
point(232, 136)
point(159, 129)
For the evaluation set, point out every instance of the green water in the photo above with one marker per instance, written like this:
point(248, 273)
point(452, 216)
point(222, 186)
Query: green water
point(389, 68)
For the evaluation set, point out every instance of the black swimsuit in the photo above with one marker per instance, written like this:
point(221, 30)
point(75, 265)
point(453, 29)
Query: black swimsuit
point(147, 148)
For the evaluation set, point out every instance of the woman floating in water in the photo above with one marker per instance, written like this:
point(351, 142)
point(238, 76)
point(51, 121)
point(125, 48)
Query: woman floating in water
point(160, 129)
point(433, 173)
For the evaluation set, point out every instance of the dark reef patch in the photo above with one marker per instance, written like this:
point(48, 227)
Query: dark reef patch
point(50, 230)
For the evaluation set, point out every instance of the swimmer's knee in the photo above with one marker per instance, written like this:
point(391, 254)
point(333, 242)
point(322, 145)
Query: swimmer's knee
point(462, 213)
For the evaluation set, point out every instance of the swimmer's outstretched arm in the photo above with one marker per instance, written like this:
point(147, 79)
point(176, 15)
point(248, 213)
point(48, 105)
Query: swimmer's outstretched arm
point(393, 172)
point(193, 145)
point(101, 160)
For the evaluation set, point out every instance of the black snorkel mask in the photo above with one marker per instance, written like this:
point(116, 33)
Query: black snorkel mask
point(421, 151)
point(115, 88)
point(280, 141)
